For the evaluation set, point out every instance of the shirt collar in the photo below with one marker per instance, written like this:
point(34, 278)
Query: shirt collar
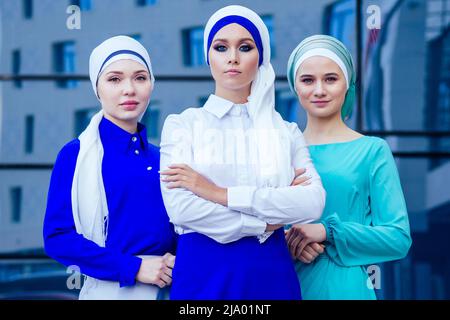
point(218, 106)
point(115, 137)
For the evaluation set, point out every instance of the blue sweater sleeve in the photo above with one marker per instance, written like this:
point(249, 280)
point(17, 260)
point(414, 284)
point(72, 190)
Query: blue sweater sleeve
point(64, 244)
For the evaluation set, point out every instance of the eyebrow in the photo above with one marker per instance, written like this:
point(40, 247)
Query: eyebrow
point(120, 72)
point(326, 74)
point(240, 40)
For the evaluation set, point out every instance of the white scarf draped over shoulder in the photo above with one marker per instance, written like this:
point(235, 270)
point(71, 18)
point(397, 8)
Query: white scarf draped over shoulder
point(89, 206)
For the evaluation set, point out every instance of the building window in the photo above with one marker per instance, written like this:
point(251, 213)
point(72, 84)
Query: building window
point(193, 55)
point(143, 3)
point(202, 100)
point(287, 105)
point(82, 119)
point(16, 204)
point(268, 21)
point(437, 109)
point(151, 121)
point(29, 133)
point(16, 65)
point(437, 113)
point(84, 5)
point(64, 62)
point(135, 36)
point(340, 23)
point(27, 9)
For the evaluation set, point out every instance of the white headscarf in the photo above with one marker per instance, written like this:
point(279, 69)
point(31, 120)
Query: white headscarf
point(273, 138)
point(89, 206)
point(113, 49)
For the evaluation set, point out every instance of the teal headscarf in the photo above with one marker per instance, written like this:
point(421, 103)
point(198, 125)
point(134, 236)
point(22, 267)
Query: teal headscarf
point(339, 50)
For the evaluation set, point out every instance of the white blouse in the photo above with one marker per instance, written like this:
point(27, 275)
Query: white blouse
point(215, 141)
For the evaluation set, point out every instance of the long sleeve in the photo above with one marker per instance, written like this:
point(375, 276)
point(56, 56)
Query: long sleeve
point(64, 244)
point(388, 236)
point(284, 205)
point(190, 212)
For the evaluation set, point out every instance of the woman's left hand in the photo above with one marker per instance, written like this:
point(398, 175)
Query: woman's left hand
point(300, 235)
point(183, 176)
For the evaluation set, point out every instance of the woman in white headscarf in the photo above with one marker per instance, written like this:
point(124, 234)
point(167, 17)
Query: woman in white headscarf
point(231, 209)
point(105, 214)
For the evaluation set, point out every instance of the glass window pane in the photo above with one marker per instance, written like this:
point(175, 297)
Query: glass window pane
point(27, 8)
point(342, 23)
point(64, 62)
point(16, 204)
point(268, 21)
point(29, 133)
point(406, 66)
point(146, 2)
point(192, 39)
point(196, 43)
point(82, 119)
point(16, 66)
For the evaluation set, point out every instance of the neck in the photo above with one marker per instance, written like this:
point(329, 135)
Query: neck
point(320, 129)
point(129, 126)
point(236, 96)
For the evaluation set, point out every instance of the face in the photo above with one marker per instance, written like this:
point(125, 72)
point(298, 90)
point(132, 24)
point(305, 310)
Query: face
point(233, 59)
point(124, 88)
point(321, 87)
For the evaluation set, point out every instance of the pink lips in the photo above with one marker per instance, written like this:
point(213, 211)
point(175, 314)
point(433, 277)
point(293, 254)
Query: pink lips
point(320, 103)
point(129, 105)
point(233, 72)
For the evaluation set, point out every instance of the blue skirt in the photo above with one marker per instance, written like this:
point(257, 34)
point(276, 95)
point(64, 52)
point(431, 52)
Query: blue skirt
point(241, 270)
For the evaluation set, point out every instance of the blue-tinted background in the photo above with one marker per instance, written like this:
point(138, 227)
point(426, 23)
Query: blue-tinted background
point(46, 100)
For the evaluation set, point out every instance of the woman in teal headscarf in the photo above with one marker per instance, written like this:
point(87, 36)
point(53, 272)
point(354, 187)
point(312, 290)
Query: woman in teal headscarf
point(365, 219)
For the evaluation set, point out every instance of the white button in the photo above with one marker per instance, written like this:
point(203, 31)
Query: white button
point(134, 139)
point(136, 151)
point(149, 168)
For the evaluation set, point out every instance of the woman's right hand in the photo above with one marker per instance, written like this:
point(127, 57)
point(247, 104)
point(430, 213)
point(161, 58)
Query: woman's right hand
point(311, 252)
point(156, 270)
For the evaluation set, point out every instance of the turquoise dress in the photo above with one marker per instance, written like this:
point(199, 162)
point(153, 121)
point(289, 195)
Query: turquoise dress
point(365, 217)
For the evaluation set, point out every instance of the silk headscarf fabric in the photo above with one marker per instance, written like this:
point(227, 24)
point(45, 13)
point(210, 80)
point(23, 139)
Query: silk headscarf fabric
point(326, 46)
point(89, 206)
point(271, 133)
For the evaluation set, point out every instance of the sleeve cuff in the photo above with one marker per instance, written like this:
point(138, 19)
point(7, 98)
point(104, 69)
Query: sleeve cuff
point(240, 198)
point(328, 230)
point(252, 226)
point(129, 269)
